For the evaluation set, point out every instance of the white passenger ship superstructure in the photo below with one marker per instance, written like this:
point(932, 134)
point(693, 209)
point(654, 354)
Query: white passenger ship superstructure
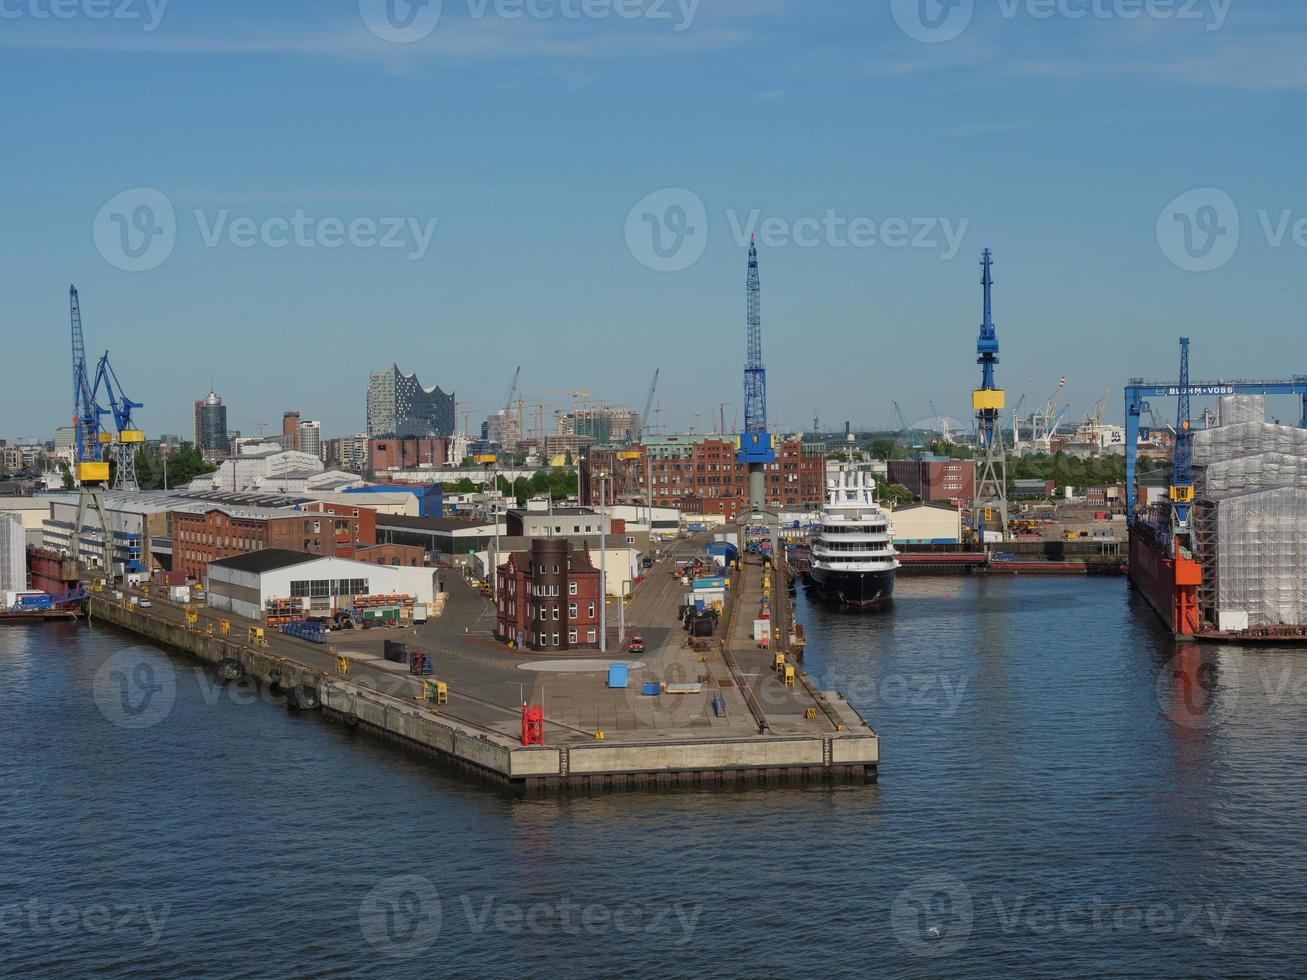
point(852, 558)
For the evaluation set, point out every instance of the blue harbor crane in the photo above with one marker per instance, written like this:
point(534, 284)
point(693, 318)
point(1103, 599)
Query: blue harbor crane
point(129, 436)
point(989, 508)
point(755, 441)
point(88, 453)
point(1182, 460)
point(90, 469)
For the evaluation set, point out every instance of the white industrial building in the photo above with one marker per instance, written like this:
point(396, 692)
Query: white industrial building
point(926, 524)
point(13, 554)
point(243, 584)
point(274, 472)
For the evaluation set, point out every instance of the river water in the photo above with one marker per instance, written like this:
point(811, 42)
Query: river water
point(1062, 790)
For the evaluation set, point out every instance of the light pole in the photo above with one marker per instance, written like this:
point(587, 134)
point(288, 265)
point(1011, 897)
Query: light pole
point(603, 574)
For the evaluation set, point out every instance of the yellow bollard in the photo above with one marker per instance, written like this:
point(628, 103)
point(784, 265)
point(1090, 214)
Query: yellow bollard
point(599, 736)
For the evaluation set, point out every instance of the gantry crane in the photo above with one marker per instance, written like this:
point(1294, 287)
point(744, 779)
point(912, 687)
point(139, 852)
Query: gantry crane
point(129, 438)
point(989, 508)
point(755, 441)
point(90, 468)
point(641, 421)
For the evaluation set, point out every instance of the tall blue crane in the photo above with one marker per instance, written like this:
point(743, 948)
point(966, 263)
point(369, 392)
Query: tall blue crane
point(1182, 461)
point(755, 441)
point(989, 508)
point(89, 465)
point(129, 437)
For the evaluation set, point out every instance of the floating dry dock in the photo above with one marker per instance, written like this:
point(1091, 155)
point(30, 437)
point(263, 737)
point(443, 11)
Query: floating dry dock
point(739, 721)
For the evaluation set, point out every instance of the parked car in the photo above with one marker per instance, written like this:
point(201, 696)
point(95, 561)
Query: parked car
point(145, 603)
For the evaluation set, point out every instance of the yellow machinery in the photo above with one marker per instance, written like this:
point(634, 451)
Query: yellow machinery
point(810, 714)
point(789, 676)
point(97, 584)
point(192, 615)
point(254, 635)
point(779, 662)
point(342, 666)
point(224, 627)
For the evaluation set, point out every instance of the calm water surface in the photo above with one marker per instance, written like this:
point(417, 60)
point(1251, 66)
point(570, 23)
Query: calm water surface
point(1062, 790)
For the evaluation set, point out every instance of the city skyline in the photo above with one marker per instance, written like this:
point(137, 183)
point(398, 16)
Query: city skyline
point(822, 131)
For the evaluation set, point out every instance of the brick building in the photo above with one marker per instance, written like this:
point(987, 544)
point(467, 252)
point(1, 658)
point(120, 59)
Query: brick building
point(388, 453)
point(936, 479)
point(702, 475)
point(548, 598)
point(206, 532)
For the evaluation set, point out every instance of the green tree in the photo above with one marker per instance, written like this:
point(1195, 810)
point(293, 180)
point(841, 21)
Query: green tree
point(895, 494)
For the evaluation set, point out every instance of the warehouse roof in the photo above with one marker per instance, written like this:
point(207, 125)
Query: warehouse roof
point(266, 560)
point(433, 523)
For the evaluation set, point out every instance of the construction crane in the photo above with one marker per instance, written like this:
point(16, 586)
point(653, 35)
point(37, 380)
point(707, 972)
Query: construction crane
point(507, 401)
point(645, 406)
point(1044, 421)
point(1182, 460)
point(755, 441)
point(989, 508)
point(945, 436)
point(129, 437)
point(89, 466)
point(1016, 422)
point(910, 436)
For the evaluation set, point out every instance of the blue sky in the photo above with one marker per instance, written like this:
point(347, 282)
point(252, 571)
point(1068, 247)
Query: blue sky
point(1058, 141)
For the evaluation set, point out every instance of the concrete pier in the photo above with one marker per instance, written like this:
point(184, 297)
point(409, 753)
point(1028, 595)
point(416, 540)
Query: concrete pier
point(595, 737)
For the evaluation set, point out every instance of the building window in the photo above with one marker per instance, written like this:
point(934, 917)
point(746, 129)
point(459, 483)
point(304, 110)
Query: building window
point(591, 607)
point(589, 636)
point(555, 613)
point(571, 610)
point(571, 588)
point(571, 636)
point(555, 643)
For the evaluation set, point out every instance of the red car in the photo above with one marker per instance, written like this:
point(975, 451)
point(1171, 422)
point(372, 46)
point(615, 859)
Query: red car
point(637, 645)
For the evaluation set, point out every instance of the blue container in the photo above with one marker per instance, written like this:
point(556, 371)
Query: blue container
point(617, 675)
point(36, 602)
point(651, 690)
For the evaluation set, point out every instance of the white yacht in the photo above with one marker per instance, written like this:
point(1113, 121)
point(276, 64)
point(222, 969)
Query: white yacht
point(852, 558)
